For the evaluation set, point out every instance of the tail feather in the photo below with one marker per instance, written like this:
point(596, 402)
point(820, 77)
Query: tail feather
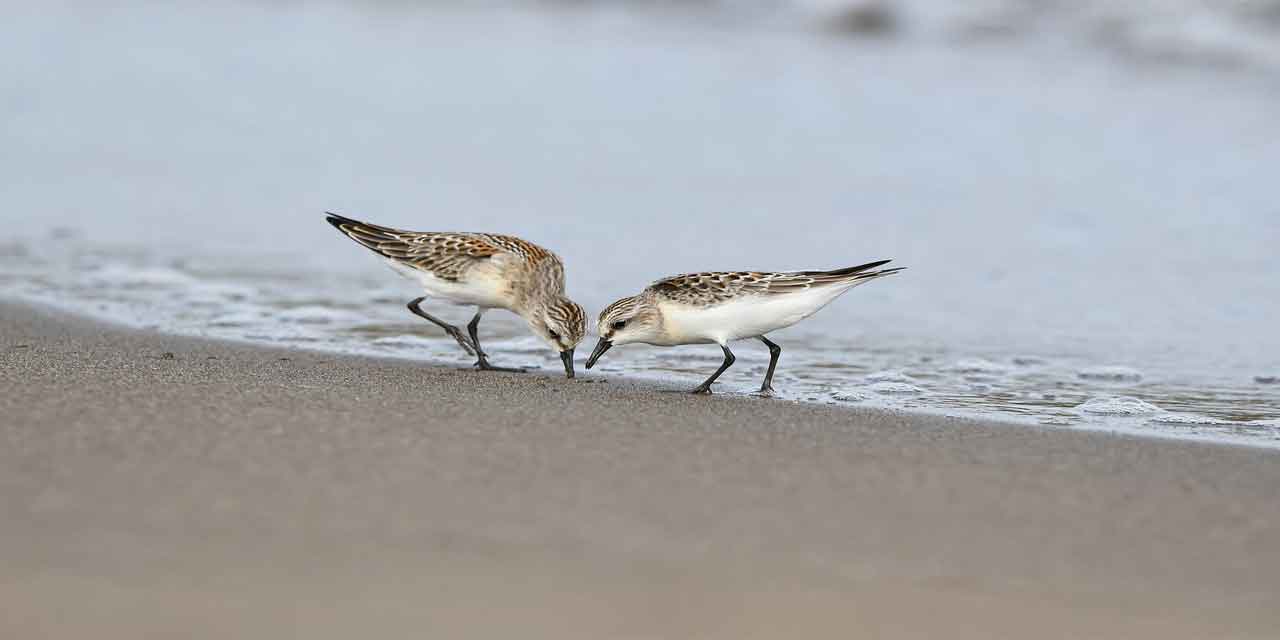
point(379, 239)
point(854, 274)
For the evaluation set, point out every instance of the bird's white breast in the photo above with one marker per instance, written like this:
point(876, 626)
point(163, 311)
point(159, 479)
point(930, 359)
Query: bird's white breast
point(745, 318)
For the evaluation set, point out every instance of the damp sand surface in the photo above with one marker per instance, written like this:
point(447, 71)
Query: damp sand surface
point(154, 485)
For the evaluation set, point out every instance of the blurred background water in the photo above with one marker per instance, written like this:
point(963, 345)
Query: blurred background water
point(1084, 193)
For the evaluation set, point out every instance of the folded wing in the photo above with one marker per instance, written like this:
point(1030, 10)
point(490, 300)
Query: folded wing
point(716, 287)
point(445, 255)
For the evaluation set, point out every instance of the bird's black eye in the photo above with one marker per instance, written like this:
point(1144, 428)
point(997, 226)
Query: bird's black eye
point(619, 324)
point(554, 336)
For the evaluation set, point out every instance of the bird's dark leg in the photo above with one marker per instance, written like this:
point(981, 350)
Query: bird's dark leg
point(473, 329)
point(482, 358)
point(774, 352)
point(705, 387)
point(453, 331)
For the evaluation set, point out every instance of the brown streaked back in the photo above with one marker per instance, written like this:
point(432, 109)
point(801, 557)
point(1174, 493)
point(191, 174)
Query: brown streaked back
point(446, 255)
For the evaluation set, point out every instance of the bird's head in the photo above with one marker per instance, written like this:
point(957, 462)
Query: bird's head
point(561, 324)
point(632, 319)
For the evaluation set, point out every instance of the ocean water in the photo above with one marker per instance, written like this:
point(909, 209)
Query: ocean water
point(1085, 197)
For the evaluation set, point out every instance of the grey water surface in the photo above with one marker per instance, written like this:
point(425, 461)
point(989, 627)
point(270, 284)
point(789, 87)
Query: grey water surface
point(1088, 209)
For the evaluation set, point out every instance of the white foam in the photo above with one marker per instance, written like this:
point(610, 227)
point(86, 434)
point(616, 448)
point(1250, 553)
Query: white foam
point(1118, 406)
point(316, 315)
point(976, 365)
point(895, 388)
point(890, 375)
point(522, 344)
point(851, 395)
point(236, 319)
point(1198, 36)
point(1171, 30)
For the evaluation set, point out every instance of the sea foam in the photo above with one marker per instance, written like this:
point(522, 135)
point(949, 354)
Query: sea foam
point(1118, 406)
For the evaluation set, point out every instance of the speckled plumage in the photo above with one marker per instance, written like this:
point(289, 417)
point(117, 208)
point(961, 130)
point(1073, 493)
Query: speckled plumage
point(716, 287)
point(722, 306)
point(444, 254)
point(487, 270)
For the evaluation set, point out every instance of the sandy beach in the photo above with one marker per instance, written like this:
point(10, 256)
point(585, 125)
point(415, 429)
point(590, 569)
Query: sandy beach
point(161, 486)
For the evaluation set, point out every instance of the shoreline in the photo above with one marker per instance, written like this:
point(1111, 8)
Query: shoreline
point(660, 383)
point(237, 489)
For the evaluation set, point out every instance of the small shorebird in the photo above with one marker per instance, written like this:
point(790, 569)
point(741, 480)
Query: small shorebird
point(487, 270)
point(719, 307)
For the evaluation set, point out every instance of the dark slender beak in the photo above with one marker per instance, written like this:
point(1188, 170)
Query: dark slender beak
point(566, 357)
point(601, 347)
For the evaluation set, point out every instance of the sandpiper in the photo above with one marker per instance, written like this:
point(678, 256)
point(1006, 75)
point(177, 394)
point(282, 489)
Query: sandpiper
point(723, 306)
point(486, 270)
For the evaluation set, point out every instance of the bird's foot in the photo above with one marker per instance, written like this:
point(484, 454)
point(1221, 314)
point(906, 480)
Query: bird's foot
point(483, 365)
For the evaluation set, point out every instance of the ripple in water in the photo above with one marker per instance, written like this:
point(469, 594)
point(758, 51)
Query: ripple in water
point(1111, 373)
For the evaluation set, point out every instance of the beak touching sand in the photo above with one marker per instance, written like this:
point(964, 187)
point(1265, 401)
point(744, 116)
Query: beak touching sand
point(601, 347)
point(566, 357)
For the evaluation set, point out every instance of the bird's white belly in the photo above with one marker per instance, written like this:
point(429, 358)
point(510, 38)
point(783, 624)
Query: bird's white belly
point(482, 286)
point(746, 318)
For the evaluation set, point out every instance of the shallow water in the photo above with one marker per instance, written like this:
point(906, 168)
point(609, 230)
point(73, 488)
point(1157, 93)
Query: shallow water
point(1091, 237)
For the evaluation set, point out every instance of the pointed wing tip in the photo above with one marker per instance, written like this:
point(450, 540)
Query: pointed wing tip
point(336, 219)
point(862, 269)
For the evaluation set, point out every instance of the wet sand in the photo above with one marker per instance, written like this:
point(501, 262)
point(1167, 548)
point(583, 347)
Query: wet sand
point(228, 490)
